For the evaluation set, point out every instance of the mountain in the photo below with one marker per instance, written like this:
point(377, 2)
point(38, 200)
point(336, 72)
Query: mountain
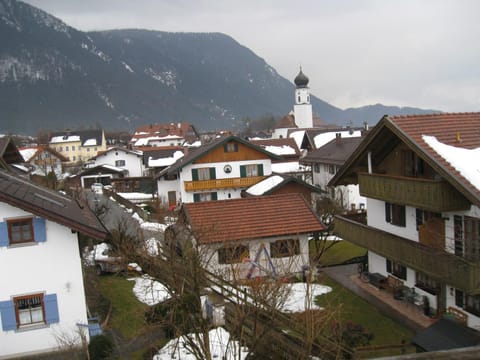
point(53, 77)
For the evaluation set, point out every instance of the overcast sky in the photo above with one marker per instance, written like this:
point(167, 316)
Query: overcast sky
point(422, 53)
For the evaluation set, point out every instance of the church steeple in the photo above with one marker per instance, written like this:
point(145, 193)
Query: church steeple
point(302, 108)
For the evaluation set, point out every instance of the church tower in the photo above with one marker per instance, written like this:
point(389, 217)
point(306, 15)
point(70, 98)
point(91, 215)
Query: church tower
point(302, 108)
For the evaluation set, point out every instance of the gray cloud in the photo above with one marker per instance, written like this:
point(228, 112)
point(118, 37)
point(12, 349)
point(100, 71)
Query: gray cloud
point(406, 53)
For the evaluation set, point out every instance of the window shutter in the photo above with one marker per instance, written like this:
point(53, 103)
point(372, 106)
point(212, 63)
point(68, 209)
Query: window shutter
point(7, 313)
point(196, 197)
point(388, 217)
point(243, 171)
point(260, 169)
point(194, 174)
point(389, 266)
point(402, 220)
point(214, 196)
point(39, 230)
point(3, 234)
point(403, 273)
point(51, 308)
point(212, 173)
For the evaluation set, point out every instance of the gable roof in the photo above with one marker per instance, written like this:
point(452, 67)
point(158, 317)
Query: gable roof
point(204, 149)
point(49, 204)
point(275, 182)
point(335, 152)
point(118, 148)
point(30, 153)
point(9, 153)
point(460, 130)
point(251, 218)
point(285, 147)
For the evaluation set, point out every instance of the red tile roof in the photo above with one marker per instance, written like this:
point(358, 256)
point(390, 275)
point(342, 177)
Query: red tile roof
point(251, 218)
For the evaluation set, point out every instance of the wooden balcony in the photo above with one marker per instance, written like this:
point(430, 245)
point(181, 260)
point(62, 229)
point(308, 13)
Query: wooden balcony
point(432, 195)
point(202, 185)
point(438, 264)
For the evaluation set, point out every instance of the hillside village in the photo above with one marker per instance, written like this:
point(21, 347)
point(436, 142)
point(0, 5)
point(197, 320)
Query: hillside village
point(228, 224)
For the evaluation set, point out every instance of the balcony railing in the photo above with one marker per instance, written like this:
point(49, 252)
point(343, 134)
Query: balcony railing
point(432, 195)
point(438, 264)
point(202, 185)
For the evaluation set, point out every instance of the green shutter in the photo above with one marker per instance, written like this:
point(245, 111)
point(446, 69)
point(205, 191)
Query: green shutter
point(243, 171)
point(196, 197)
point(194, 174)
point(214, 196)
point(212, 174)
point(260, 169)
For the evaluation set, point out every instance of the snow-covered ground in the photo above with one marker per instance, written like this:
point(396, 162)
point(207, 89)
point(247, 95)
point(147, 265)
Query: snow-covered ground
point(149, 291)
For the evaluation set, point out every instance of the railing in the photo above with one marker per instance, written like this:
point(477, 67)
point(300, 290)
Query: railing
point(432, 195)
point(438, 264)
point(222, 183)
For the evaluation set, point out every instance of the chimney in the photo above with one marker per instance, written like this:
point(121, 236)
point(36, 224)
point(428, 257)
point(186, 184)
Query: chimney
point(338, 138)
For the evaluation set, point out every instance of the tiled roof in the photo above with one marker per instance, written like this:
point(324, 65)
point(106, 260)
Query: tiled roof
point(277, 181)
point(279, 143)
point(459, 130)
point(49, 204)
point(335, 152)
point(180, 129)
point(251, 218)
point(85, 135)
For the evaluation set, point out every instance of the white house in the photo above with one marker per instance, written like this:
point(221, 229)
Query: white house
point(219, 170)
point(130, 161)
point(420, 175)
point(41, 293)
point(264, 236)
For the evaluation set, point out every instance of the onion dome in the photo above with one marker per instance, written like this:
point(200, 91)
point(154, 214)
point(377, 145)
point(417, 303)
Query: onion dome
point(301, 80)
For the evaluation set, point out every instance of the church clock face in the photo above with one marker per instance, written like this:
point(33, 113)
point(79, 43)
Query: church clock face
point(227, 169)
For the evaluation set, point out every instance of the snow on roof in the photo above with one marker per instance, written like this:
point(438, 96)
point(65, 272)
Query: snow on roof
point(146, 140)
point(149, 291)
point(298, 137)
point(287, 167)
point(323, 138)
point(463, 160)
point(90, 142)
point(165, 161)
point(263, 186)
point(135, 196)
point(62, 139)
point(221, 347)
point(27, 153)
point(281, 150)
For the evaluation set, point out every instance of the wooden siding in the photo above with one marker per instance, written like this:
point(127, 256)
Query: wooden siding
point(244, 153)
point(438, 264)
point(201, 185)
point(432, 195)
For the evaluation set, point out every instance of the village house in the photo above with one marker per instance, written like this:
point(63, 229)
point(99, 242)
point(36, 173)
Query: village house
point(131, 161)
point(324, 164)
point(43, 160)
point(264, 236)
point(39, 243)
point(159, 135)
point(219, 170)
point(79, 145)
point(419, 175)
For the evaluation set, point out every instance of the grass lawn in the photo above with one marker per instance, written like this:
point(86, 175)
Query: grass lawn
point(127, 312)
point(339, 253)
point(354, 309)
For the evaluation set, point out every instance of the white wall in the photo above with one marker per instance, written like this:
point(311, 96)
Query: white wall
point(53, 267)
point(133, 162)
point(283, 266)
point(164, 186)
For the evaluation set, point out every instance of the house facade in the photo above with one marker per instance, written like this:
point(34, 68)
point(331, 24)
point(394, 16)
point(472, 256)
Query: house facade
point(265, 236)
point(80, 145)
point(131, 161)
point(43, 295)
point(219, 170)
point(44, 159)
point(419, 176)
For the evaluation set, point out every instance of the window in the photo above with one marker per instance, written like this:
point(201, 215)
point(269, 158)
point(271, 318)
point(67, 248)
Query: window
point(230, 147)
point(395, 214)
point(73, 158)
point(88, 149)
point(73, 147)
point(331, 169)
point(284, 248)
point(422, 216)
point(233, 254)
point(203, 174)
point(396, 269)
point(119, 163)
point(208, 196)
point(458, 234)
point(251, 170)
point(470, 303)
point(20, 231)
point(471, 237)
point(316, 168)
point(66, 148)
point(426, 283)
point(29, 310)
point(60, 149)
